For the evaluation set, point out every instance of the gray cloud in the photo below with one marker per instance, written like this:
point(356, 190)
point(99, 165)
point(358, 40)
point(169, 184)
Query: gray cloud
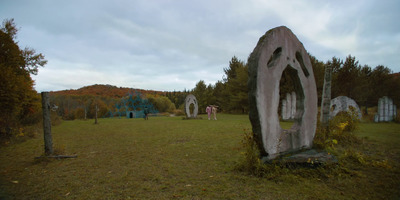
point(171, 45)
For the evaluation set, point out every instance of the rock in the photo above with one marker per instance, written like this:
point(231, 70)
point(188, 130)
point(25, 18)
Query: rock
point(276, 51)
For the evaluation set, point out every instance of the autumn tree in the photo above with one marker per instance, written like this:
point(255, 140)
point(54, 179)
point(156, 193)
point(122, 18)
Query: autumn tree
point(17, 95)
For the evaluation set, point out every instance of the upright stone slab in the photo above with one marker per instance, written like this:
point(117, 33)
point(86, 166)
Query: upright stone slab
point(293, 113)
point(283, 111)
point(386, 110)
point(191, 99)
point(288, 105)
point(326, 97)
point(381, 110)
point(390, 110)
point(343, 103)
point(276, 51)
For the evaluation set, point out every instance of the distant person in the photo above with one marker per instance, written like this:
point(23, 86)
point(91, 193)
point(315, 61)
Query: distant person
point(209, 110)
point(214, 111)
point(146, 113)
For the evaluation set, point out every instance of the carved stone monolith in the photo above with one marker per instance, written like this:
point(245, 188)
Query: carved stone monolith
point(294, 99)
point(326, 97)
point(276, 51)
point(387, 111)
point(191, 99)
point(288, 105)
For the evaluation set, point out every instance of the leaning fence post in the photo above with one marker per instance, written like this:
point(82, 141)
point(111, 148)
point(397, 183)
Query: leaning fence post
point(48, 141)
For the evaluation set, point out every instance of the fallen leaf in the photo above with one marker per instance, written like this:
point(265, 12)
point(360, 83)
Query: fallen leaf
point(16, 182)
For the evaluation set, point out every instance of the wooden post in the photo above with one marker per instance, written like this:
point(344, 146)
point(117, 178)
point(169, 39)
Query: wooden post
point(95, 118)
point(48, 141)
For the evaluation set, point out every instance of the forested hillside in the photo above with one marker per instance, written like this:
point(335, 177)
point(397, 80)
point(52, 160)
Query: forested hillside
point(21, 107)
point(360, 82)
point(111, 101)
point(105, 91)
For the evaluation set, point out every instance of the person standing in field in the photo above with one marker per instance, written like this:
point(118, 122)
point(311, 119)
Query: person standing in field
point(146, 113)
point(209, 110)
point(214, 111)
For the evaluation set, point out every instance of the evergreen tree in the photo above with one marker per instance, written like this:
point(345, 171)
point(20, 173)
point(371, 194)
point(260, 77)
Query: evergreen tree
point(236, 86)
point(200, 93)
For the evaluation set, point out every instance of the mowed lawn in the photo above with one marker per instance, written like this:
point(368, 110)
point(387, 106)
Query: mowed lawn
point(171, 158)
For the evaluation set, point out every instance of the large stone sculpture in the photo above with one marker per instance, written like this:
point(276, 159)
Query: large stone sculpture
point(343, 103)
point(276, 51)
point(191, 99)
point(387, 111)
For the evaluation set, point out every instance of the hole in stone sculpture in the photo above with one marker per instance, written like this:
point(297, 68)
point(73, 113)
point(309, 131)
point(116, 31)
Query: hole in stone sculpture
point(191, 110)
point(291, 98)
point(131, 115)
point(299, 58)
point(333, 107)
point(274, 56)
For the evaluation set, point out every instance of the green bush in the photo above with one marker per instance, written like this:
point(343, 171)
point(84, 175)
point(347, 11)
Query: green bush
point(339, 132)
point(250, 161)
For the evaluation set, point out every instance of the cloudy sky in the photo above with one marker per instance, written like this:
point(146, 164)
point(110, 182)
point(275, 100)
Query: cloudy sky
point(172, 44)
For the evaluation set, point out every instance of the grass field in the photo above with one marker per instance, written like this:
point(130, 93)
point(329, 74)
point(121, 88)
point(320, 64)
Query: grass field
point(171, 158)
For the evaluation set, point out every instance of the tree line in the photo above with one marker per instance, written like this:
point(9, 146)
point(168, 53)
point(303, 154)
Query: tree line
point(20, 103)
point(362, 83)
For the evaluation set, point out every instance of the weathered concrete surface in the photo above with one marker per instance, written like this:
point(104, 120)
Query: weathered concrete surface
point(191, 99)
point(326, 97)
point(343, 103)
point(283, 110)
point(289, 106)
point(387, 111)
point(294, 99)
point(277, 50)
point(288, 110)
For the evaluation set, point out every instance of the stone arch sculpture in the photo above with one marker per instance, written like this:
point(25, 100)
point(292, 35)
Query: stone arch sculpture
point(343, 103)
point(276, 51)
point(191, 99)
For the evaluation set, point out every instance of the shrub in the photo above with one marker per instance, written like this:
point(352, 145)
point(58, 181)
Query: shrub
point(340, 132)
point(179, 112)
point(251, 156)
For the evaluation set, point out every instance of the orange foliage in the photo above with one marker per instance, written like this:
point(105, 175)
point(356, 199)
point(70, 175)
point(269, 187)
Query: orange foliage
point(105, 91)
